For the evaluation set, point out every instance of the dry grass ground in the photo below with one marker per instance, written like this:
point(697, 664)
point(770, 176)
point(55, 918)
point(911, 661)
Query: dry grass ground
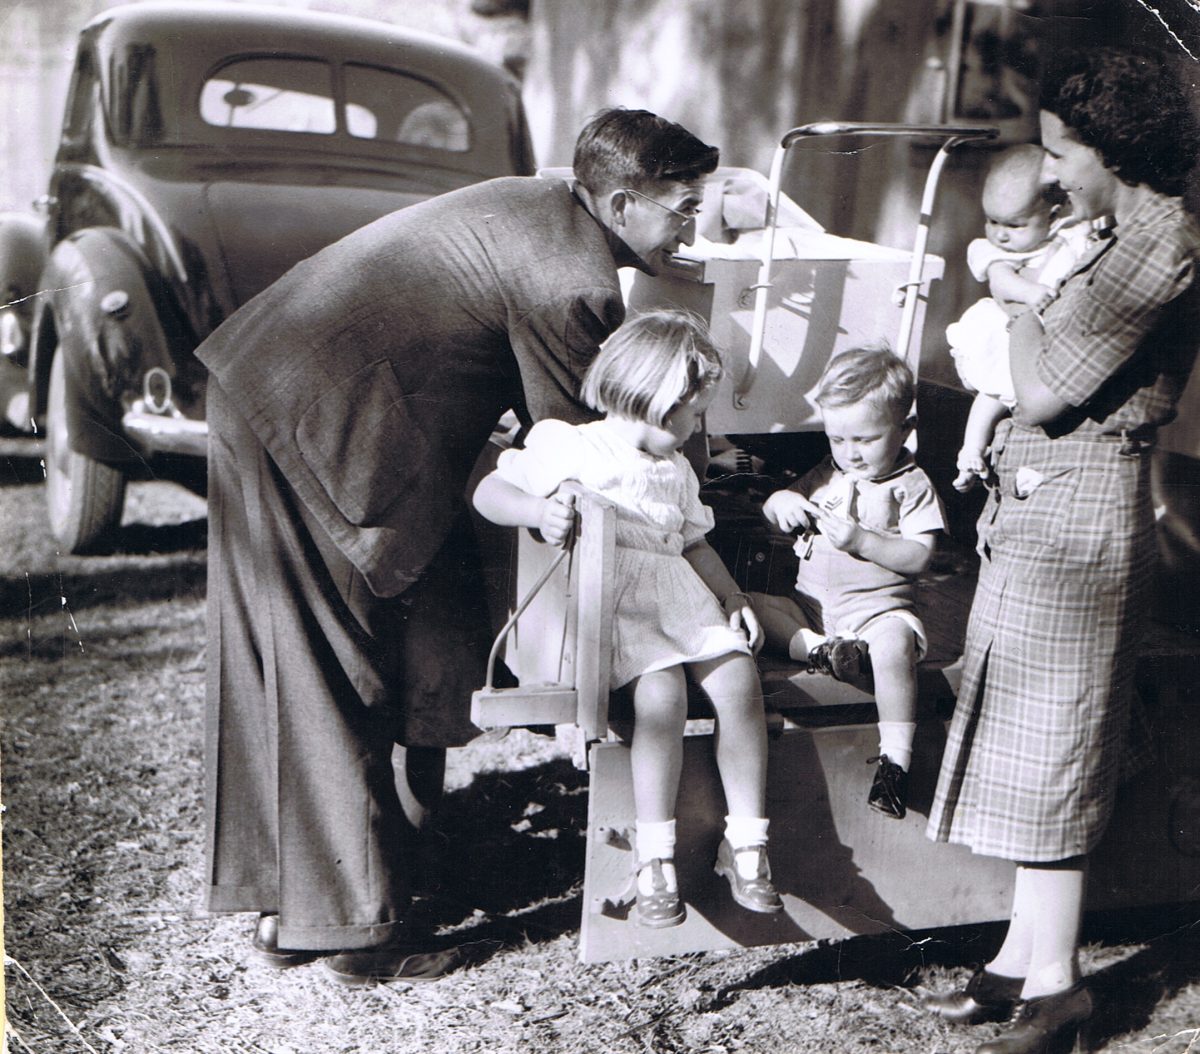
point(101, 675)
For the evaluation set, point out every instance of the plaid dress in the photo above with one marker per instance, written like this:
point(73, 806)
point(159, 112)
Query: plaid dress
point(1067, 546)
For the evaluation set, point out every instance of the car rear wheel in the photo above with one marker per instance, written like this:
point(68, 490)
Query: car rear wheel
point(84, 497)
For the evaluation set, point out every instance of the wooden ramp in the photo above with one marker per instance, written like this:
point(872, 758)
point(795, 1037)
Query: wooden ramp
point(841, 868)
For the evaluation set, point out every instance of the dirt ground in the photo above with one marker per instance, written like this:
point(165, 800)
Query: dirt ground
point(108, 948)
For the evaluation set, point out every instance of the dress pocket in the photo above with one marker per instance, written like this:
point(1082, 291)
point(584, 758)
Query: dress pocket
point(361, 442)
point(1035, 506)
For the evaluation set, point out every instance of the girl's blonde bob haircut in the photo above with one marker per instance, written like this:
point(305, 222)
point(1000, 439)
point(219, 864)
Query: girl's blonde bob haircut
point(654, 363)
point(876, 375)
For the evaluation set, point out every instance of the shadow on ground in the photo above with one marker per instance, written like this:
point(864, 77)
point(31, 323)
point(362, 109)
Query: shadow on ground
point(504, 858)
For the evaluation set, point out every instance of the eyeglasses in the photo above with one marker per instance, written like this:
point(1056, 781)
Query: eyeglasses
point(685, 215)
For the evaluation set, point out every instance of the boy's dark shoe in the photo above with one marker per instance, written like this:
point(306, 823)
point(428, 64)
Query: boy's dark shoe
point(842, 659)
point(889, 788)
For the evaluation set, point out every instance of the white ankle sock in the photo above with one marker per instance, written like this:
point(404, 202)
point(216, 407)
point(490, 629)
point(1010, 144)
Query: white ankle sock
point(655, 839)
point(746, 833)
point(803, 641)
point(896, 740)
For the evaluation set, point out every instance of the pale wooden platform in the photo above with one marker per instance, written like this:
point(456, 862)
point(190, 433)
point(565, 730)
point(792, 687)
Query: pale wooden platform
point(841, 868)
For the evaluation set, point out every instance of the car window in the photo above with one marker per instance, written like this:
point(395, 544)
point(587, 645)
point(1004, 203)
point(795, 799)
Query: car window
point(282, 95)
point(397, 108)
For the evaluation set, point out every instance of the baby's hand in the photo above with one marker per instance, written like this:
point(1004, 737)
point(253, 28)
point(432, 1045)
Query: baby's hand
point(558, 518)
point(972, 466)
point(1045, 300)
point(789, 511)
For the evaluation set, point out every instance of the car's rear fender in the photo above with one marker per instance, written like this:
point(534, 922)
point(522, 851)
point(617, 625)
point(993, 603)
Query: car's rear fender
point(99, 309)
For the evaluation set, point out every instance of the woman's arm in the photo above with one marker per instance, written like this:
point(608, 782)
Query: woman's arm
point(509, 506)
point(1036, 403)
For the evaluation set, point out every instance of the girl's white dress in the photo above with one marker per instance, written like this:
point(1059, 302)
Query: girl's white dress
point(664, 613)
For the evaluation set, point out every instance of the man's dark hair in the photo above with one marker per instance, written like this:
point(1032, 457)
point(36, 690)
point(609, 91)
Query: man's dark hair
point(636, 148)
point(1131, 108)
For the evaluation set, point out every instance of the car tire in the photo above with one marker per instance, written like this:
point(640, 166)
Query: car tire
point(84, 497)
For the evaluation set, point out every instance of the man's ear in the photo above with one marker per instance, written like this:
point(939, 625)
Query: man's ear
point(617, 201)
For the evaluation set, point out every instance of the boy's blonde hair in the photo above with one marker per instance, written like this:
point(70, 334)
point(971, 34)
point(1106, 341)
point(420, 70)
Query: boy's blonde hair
point(869, 374)
point(652, 364)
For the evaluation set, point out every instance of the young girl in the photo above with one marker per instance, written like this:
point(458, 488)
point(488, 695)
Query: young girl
point(1028, 251)
point(678, 611)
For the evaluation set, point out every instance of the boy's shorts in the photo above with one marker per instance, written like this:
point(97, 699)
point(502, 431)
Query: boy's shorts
point(862, 628)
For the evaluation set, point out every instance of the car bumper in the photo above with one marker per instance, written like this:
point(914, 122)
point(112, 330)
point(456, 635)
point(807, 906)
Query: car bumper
point(166, 434)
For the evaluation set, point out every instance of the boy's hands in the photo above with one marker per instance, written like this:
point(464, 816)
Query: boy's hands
point(842, 532)
point(789, 511)
point(558, 518)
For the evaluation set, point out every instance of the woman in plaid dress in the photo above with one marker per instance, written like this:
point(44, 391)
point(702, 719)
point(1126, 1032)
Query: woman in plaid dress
point(1066, 538)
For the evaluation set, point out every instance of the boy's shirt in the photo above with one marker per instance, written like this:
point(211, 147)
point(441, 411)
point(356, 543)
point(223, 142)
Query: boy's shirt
point(901, 504)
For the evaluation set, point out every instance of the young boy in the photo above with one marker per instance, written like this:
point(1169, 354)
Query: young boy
point(867, 519)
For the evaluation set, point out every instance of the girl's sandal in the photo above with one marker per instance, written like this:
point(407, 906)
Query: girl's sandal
point(661, 907)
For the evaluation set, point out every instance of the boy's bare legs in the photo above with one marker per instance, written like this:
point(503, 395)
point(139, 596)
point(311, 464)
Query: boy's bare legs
point(786, 630)
point(893, 648)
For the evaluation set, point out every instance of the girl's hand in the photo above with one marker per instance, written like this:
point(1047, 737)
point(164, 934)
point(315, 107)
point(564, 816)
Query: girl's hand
point(741, 616)
point(789, 511)
point(558, 518)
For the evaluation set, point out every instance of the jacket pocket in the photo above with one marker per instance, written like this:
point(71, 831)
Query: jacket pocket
point(361, 442)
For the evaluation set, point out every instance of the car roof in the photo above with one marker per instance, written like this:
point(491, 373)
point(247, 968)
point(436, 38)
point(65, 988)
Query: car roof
point(199, 34)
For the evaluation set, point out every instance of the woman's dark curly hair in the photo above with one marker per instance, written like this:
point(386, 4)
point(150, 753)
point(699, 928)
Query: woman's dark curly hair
point(1131, 108)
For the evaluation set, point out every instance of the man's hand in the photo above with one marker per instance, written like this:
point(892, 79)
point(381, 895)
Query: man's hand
point(558, 518)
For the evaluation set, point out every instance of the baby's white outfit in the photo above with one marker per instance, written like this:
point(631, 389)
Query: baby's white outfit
point(664, 613)
point(979, 339)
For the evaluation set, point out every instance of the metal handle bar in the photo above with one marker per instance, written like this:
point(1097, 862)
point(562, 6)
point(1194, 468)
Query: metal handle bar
point(952, 136)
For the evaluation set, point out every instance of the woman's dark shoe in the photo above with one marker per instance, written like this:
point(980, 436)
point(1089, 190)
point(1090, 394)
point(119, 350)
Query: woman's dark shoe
point(986, 997)
point(1048, 1024)
point(264, 946)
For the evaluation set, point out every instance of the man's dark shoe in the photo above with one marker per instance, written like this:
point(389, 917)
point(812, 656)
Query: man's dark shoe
point(889, 788)
point(842, 659)
point(986, 997)
point(264, 947)
point(395, 961)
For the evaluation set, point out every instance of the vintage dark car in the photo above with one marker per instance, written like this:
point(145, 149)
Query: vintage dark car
point(205, 149)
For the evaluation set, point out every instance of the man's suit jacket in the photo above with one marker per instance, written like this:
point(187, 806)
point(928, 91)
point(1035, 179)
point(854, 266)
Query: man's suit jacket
point(374, 371)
